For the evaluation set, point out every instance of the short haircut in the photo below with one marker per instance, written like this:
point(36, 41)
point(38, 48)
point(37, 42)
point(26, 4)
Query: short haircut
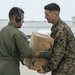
point(52, 7)
point(14, 11)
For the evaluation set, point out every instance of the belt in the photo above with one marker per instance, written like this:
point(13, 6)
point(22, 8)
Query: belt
point(8, 58)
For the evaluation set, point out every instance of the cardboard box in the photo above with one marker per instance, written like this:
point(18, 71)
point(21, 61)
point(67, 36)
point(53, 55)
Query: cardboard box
point(39, 42)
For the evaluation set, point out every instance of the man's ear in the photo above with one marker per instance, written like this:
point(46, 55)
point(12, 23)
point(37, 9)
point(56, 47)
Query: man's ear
point(55, 15)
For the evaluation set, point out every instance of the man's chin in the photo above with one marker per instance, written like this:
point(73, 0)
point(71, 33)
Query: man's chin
point(49, 22)
point(19, 27)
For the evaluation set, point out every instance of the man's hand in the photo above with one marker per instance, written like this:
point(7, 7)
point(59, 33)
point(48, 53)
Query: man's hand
point(40, 70)
point(37, 54)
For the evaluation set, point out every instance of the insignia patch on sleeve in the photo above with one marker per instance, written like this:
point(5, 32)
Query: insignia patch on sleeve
point(23, 35)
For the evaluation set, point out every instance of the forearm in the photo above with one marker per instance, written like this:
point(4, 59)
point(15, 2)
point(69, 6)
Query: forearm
point(53, 62)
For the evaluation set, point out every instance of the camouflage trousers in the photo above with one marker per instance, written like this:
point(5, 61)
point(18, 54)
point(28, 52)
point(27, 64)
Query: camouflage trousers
point(66, 67)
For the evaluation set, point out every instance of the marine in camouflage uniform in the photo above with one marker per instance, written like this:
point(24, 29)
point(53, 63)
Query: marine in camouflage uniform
point(62, 59)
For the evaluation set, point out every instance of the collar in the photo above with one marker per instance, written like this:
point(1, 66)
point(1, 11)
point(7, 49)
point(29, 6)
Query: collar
point(57, 24)
point(12, 24)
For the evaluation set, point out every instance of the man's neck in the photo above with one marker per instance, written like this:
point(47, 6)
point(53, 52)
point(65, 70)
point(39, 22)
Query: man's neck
point(14, 23)
point(56, 20)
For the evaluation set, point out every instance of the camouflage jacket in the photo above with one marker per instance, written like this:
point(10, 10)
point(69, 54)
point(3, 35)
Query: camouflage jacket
point(63, 45)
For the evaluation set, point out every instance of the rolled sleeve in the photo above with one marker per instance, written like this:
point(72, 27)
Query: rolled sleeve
point(45, 54)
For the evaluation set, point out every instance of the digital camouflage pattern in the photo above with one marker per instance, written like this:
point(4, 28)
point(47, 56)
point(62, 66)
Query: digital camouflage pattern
point(62, 61)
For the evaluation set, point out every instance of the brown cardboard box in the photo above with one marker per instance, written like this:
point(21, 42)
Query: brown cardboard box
point(39, 42)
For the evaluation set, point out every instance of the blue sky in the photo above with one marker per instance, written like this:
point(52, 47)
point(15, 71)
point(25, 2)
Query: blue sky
point(34, 8)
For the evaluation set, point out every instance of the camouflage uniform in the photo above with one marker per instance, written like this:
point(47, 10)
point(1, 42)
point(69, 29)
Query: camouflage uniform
point(13, 44)
point(62, 61)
